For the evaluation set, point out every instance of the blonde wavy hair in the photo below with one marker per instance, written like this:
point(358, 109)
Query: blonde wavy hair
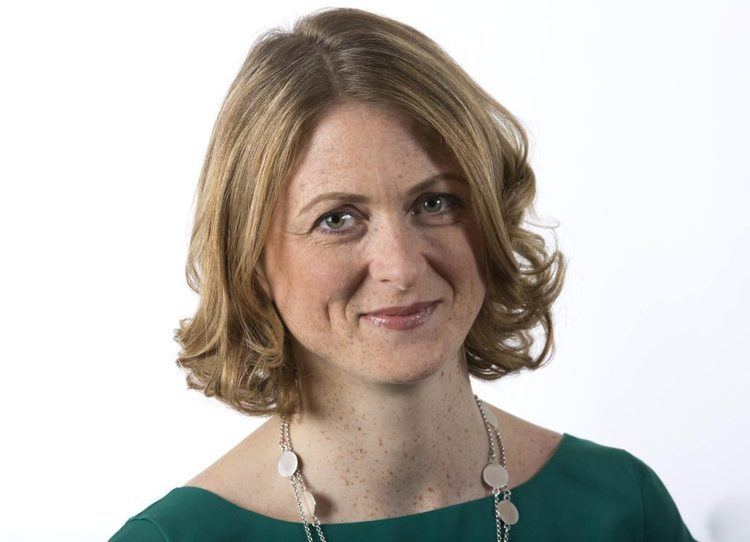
point(236, 347)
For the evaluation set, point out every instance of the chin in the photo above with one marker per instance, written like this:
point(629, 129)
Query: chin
point(399, 371)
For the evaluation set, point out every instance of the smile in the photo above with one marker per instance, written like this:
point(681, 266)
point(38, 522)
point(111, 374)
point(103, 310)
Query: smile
point(402, 321)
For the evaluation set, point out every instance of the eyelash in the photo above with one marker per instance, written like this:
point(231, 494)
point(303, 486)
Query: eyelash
point(453, 200)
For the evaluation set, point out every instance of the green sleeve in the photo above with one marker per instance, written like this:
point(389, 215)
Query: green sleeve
point(139, 530)
point(662, 519)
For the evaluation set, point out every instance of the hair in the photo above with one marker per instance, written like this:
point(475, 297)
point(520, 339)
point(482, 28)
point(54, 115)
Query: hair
point(236, 347)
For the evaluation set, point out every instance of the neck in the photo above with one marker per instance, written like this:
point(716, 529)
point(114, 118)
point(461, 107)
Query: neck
point(370, 450)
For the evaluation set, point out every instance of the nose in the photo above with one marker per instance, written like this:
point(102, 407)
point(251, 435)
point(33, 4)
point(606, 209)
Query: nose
point(396, 253)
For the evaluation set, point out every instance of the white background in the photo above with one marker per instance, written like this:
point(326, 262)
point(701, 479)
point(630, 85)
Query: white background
point(638, 117)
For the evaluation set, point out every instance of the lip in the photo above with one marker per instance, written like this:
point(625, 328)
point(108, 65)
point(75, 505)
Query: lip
point(401, 310)
point(403, 321)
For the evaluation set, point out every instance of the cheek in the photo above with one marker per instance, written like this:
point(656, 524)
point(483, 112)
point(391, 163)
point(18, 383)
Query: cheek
point(474, 246)
point(324, 273)
point(313, 280)
point(462, 256)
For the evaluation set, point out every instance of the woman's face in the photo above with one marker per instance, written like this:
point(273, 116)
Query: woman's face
point(326, 262)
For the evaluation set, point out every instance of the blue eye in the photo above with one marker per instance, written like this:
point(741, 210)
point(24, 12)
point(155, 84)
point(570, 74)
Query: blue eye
point(338, 215)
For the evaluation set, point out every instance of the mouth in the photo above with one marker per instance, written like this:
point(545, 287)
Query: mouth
point(402, 310)
point(420, 313)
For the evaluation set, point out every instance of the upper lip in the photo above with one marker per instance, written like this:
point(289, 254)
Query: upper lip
point(402, 309)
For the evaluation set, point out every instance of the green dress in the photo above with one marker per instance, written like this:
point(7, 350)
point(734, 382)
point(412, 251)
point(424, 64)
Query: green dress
point(585, 492)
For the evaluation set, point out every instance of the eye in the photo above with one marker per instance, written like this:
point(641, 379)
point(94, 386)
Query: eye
point(441, 198)
point(333, 222)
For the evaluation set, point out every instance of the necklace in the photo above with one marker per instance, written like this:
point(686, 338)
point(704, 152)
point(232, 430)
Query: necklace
point(494, 475)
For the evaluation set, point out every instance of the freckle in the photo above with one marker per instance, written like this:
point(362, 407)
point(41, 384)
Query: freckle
point(430, 489)
point(359, 428)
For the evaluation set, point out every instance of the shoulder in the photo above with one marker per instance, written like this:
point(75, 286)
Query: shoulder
point(528, 447)
point(186, 514)
point(250, 464)
point(161, 520)
point(661, 516)
point(617, 484)
point(531, 446)
point(141, 529)
point(602, 480)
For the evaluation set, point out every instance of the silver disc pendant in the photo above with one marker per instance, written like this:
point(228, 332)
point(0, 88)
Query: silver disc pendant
point(495, 475)
point(309, 501)
point(287, 463)
point(507, 512)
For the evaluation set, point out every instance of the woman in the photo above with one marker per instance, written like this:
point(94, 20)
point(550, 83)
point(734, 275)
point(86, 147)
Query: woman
point(359, 252)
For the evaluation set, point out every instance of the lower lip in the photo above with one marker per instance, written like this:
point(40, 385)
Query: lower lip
point(402, 321)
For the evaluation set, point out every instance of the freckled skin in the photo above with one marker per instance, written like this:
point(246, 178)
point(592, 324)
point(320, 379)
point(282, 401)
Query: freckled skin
point(388, 424)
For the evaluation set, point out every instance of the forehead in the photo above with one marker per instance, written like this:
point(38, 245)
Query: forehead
point(355, 146)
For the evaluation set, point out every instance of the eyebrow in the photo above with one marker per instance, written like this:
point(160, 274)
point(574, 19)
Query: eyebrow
point(359, 198)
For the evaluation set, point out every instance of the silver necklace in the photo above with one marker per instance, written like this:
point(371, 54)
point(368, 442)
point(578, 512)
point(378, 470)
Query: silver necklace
point(494, 475)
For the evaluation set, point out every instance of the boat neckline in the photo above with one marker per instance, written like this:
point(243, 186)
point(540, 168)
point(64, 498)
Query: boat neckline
point(521, 488)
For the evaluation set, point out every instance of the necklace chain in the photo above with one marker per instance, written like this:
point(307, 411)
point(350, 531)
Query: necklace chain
point(494, 475)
